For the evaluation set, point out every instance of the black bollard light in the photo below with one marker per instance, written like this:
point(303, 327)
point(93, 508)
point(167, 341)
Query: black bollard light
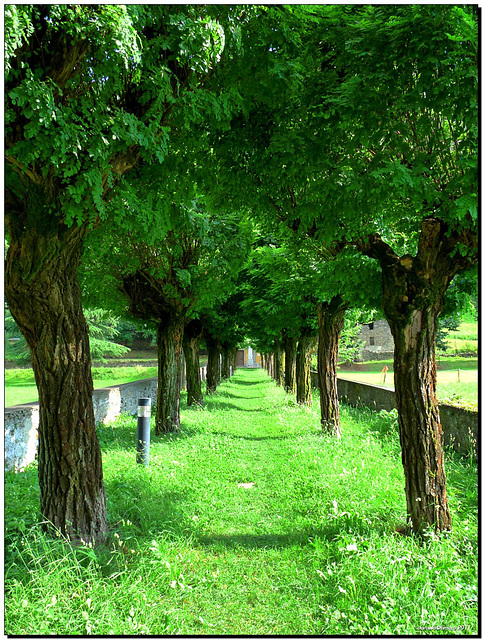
point(144, 431)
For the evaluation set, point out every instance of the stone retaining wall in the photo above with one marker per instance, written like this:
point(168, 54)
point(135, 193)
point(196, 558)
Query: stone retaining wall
point(22, 421)
point(460, 426)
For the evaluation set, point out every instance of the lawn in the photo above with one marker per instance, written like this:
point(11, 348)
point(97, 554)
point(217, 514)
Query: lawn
point(457, 377)
point(248, 521)
point(20, 383)
point(464, 339)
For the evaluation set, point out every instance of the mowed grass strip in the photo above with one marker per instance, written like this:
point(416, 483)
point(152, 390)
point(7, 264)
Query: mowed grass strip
point(249, 521)
point(20, 384)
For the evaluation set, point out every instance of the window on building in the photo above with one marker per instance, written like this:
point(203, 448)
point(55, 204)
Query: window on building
point(371, 326)
point(371, 341)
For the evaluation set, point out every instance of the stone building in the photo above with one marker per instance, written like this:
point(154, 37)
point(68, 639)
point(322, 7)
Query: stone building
point(379, 344)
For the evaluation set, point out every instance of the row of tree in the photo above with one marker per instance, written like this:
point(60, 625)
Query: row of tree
point(145, 144)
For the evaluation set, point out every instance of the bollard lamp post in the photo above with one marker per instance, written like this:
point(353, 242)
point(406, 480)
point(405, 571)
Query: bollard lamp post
point(144, 431)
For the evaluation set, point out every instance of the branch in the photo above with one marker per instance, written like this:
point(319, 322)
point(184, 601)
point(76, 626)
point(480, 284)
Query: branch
point(22, 170)
point(375, 247)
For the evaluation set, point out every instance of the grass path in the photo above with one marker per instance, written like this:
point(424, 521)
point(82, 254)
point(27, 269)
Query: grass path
point(248, 521)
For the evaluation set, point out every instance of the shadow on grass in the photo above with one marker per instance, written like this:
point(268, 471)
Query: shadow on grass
point(238, 381)
point(225, 393)
point(381, 424)
point(134, 501)
point(116, 437)
point(330, 531)
point(230, 406)
point(290, 436)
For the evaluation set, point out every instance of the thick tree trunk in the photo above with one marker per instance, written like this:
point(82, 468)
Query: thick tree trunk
point(330, 316)
point(191, 348)
point(279, 365)
point(419, 423)
point(290, 348)
point(169, 341)
point(213, 366)
point(44, 297)
point(305, 348)
point(413, 290)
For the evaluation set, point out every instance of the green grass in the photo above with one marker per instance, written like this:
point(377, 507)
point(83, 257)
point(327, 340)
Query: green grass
point(444, 363)
point(248, 521)
point(20, 383)
point(460, 389)
point(464, 339)
point(465, 331)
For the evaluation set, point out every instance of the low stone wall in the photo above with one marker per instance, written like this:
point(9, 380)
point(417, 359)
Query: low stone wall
point(21, 424)
point(22, 421)
point(110, 402)
point(460, 426)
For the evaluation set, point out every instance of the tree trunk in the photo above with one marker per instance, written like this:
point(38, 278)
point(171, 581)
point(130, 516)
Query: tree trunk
point(419, 424)
point(233, 353)
point(413, 290)
point(279, 365)
point(305, 349)
point(169, 341)
point(225, 363)
point(213, 366)
point(330, 316)
point(44, 297)
point(271, 365)
point(290, 347)
point(191, 348)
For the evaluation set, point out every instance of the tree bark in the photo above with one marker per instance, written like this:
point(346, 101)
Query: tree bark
point(279, 364)
point(330, 316)
point(44, 297)
point(213, 366)
point(413, 290)
point(305, 348)
point(169, 341)
point(290, 348)
point(271, 365)
point(191, 348)
point(233, 353)
point(225, 362)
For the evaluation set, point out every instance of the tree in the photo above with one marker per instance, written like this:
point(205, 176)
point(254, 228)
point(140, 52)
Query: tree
point(378, 121)
point(102, 334)
point(168, 282)
point(261, 163)
point(281, 314)
point(304, 293)
point(191, 349)
point(90, 92)
point(425, 179)
point(223, 331)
